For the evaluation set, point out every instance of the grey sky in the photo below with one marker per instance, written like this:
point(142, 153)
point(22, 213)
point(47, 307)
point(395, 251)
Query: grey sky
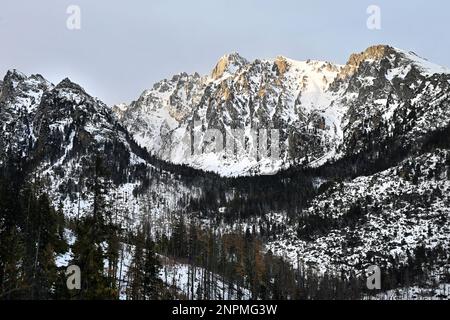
point(123, 47)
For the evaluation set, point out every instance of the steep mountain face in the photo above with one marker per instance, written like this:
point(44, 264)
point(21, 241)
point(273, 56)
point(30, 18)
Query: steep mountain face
point(250, 105)
point(19, 98)
point(160, 110)
point(72, 130)
point(390, 93)
point(259, 117)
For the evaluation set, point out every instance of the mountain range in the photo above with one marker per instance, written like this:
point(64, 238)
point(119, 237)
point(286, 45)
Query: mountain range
point(333, 168)
point(319, 111)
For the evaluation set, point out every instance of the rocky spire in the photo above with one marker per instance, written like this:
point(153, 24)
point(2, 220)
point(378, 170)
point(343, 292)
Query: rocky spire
point(281, 64)
point(12, 78)
point(68, 84)
point(376, 53)
point(228, 63)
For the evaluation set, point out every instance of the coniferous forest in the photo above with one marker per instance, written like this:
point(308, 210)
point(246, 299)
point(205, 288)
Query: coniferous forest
point(140, 263)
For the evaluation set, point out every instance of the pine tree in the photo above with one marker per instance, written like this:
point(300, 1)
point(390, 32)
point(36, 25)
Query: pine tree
point(177, 245)
point(44, 240)
point(91, 247)
point(89, 256)
point(31, 235)
point(11, 246)
point(135, 272)
point(144, 272)
point(151, 281)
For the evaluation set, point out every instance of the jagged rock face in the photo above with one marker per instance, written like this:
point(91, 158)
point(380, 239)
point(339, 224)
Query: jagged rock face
point(71, 124)
point(72, 131)
point(228, 64)
point(393, 93)
point(375, 53)
point(19, 98)
point(320, 111)
point(281, 95)
point(119, 110)
point(160, 110)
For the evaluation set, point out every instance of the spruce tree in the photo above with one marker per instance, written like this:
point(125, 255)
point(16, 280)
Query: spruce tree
point(135, 272)
point(151, 281)
point(43, 241)
point(91, 246)
point(145, 283)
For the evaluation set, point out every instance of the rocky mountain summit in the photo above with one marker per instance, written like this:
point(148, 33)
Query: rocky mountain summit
point(20, 96)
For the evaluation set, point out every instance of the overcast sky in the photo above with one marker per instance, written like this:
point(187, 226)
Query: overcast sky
point(123, 47)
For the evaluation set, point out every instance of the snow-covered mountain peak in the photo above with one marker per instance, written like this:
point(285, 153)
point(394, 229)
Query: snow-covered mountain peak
point(228, 64)
point(20, 92)
point(15, 80)
point(425, 67)
point(20, 97)
point(397, 61)
point(70, 94)
point(14, 75)
point(68, 84)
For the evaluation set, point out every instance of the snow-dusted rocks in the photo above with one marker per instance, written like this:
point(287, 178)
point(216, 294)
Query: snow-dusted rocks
point(383, 219)
point(160, 110)
point(279, 94)
point(19, 98)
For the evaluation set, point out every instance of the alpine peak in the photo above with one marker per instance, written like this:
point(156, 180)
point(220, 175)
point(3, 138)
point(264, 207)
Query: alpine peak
point(66, 83)
point(228, 63)
point(376, 53)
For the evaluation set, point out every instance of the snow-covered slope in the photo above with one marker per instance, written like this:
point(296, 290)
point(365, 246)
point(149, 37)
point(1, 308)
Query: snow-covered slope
point(391, 97)
point(384, 219)
point(175, 275)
